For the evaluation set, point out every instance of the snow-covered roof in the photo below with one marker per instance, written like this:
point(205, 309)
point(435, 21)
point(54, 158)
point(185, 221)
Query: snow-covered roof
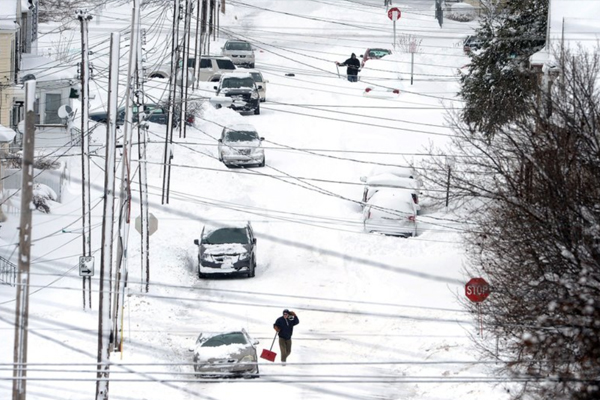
point(574, 23)
point(46, 69)
point(393, 199)
point(239, 75)
point(241, 127)
point(391, 180)
point(8, 15)
point(6, 134)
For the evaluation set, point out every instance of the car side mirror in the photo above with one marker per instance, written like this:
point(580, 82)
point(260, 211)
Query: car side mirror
point(254, 240)
point(220, 140)
point(255, 342)
point(196, 242)
point(260, 86)
point(363, 179)
point(262, 138)
point(215, 87)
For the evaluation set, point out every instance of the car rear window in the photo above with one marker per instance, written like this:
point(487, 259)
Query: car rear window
point(225, 64)
point(238, 46)
point(225, 339)
point(236, 83)
point(256, 76)
point(241, 136)
point(227, 235)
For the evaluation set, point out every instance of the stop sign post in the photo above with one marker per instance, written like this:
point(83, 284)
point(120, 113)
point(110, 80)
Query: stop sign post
point(477, 290)
point(394, 14)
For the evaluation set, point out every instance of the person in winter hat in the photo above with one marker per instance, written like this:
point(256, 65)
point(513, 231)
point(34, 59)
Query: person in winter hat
point(353, 67)
point(284, 326)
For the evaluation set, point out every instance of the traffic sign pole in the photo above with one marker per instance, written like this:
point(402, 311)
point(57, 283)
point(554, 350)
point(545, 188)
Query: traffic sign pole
point(394, 14)
point(394, 33)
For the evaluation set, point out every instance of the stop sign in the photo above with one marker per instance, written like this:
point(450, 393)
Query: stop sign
point(477, 290)
point(394, 12)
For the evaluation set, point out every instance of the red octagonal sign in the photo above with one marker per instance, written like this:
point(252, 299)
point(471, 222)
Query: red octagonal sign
point(391, 13)
point(477, 290)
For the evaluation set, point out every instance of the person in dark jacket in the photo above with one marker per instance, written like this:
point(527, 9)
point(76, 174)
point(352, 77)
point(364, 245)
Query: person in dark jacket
point(285, 328)
point(353, 67)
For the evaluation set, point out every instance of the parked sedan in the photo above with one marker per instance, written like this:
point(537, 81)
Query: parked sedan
point(153, 113)
point(227, 250)
point(391, 212)
point(375, 183)
point(226, 354)
point(240, 145)
point(374, 54)
point(241, 89)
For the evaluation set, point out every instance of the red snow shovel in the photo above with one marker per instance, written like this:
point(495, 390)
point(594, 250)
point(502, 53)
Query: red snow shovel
point(268, 354)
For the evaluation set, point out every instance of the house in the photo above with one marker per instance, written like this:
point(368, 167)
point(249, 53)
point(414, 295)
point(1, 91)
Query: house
point(571, 24)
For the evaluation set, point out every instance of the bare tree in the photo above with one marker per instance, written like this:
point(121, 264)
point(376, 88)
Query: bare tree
point(535, 198)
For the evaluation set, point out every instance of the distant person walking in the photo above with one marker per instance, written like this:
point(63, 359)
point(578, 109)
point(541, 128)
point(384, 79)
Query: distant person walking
point(284, 326)
point(387, 3)
point(353, 67)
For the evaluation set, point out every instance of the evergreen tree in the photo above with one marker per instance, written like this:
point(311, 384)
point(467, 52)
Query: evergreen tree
point(499, 80)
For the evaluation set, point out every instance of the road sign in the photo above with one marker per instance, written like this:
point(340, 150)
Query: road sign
point(477, 290)
point(394, 13)
point(86, 266)
point(152, 224)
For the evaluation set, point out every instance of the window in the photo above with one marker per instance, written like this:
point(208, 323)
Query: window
point(205, 63)
point(225, 64)
point(53, 101)
point(245, 46)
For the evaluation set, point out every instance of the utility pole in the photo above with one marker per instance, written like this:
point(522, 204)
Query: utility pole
point(142, 143)
point(184, 70)
point(105, 339)
point(22, 310)
point(172, 98)
point(198, 44)
point(86, 219)
point(125, 193)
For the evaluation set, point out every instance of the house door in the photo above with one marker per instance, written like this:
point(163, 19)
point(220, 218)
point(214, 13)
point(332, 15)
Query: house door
point(53, 101)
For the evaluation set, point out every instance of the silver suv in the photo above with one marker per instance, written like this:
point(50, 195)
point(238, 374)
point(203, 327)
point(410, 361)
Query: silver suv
point(240, 52)
point(211, 68)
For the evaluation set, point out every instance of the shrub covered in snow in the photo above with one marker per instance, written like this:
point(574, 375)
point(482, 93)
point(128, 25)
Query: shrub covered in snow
point(461, 12)
point(42, 194)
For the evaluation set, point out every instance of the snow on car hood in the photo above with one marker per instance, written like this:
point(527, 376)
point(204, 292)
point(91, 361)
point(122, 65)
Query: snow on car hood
point(219, 352)
point(236, 90)
point(228, 248)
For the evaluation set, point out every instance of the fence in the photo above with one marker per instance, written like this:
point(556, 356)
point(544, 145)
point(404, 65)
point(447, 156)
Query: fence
point(8, 272)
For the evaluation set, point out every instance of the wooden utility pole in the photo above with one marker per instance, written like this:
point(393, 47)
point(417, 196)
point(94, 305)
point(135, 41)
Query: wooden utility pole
point(104, 318)
point(125, 193)
point(172, 99)
point(142, 142)
point(22, 310)
point(86, 219)
point(185, 69)
point(198, 44)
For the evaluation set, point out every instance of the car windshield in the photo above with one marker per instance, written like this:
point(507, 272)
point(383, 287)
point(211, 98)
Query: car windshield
point(236, 83)
point(238, 46)
point(256, 76)
point(240, 136)
point(227, 235)
point(378, 53)
point(225, 339)
point(225, 64)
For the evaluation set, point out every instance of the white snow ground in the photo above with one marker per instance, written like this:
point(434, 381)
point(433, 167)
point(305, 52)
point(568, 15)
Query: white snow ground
point(380, 317)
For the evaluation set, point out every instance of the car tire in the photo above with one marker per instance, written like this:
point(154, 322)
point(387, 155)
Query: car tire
point(201, 275)
point(257, 109)
point(251, 65)
point(256, 374)
point(262, 164)
point(221, 157)
point(252, 272)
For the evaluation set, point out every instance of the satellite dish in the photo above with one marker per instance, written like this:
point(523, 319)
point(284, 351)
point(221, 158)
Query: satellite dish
point(65, 111)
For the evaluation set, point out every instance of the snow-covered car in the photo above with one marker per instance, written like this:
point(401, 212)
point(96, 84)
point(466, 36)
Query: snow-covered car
point(391, 212)
point(374, 54)
point(241, 88)
point(227, 250)
point(225, 355)
point(374, 183)
point(240, 52)
point(384, 76)
point(240, 145)
point(261, 83)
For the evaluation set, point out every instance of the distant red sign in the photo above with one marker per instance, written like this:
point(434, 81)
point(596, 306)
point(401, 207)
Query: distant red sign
point(477, 290)
point(393, 10)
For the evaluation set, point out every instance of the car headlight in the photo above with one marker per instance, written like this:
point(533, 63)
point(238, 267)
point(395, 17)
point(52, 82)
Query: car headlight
point(244, 256)
point(254, 95)
point(206, 256)
point(257, 150)
point(249, 358)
